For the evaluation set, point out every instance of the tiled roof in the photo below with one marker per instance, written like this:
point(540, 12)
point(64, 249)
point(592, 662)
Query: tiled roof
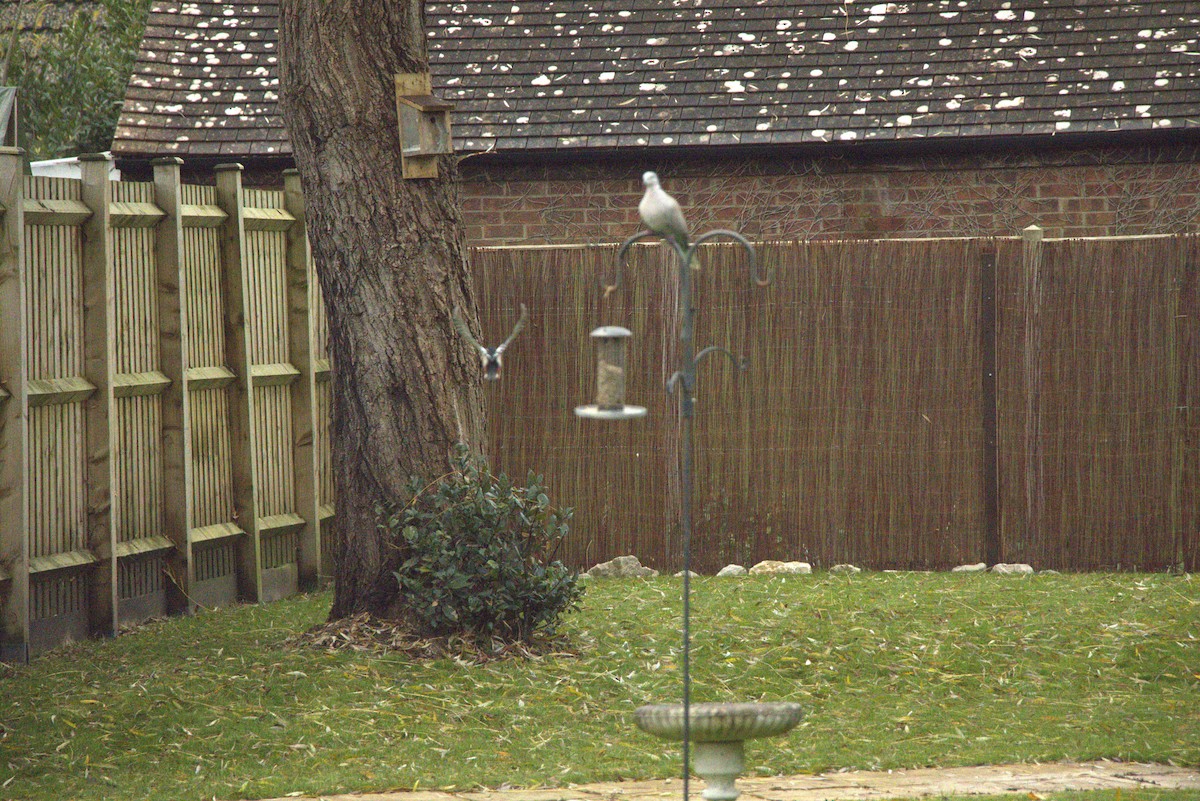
point(568, 74)
point(205, 83)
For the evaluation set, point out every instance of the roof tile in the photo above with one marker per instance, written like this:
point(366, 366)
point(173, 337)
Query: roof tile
point(581, 73)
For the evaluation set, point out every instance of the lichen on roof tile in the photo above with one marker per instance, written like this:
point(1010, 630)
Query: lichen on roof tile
point(653, 73)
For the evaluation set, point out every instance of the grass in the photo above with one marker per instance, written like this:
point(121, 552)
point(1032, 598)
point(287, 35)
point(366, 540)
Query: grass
point(895, 670)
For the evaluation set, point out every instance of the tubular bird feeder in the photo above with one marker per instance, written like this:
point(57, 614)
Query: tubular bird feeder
point(612, 342)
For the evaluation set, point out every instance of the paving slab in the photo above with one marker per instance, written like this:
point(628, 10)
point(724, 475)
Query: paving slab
point(844, 786)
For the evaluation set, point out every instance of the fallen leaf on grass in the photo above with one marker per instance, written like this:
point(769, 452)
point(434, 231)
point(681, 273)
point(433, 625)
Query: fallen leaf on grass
point(366, 633)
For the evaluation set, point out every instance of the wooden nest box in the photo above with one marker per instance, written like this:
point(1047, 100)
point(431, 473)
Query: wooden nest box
point(424, 125)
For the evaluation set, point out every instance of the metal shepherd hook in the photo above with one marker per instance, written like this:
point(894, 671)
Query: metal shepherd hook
point(662, 215)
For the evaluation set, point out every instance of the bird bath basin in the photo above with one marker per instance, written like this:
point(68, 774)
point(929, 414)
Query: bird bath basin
point(719, 732)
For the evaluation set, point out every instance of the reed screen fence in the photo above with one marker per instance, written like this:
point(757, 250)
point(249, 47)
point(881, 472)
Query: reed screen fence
point(909, 404)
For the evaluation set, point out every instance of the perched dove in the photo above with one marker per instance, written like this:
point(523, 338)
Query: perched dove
point(662, 215)
point(490, 358)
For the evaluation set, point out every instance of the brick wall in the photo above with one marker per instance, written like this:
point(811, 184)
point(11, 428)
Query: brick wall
point(1080, 192)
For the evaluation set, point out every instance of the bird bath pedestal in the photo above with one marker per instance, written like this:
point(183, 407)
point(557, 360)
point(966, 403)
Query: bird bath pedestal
point(718, 732)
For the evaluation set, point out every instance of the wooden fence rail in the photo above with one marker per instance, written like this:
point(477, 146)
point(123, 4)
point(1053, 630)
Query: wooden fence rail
point(163, 383)
point(164, 401)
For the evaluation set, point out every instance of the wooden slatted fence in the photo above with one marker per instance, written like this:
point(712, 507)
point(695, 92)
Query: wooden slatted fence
point(161, 370)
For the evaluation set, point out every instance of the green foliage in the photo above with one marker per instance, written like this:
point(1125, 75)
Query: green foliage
point(475, 553)
point(71, 74)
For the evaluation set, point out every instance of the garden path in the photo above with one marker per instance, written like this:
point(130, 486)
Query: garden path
point(1030, 780)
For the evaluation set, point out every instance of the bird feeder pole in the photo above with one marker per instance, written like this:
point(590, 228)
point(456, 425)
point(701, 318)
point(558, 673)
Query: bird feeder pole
point(682, 381)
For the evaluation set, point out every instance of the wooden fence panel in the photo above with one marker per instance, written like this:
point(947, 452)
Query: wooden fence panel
point(141, 543)
point(63, 565)
point(1095, 402)
point(212, 541)
point(161, 447)
point(856, 433)
point(854, 436)
point(615, 475)
point(275, 379)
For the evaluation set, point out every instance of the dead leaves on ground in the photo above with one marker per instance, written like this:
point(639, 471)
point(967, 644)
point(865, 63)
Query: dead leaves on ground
point(366, 633)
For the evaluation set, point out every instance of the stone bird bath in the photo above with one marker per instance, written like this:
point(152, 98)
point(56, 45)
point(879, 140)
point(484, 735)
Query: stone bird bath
point(719, 732)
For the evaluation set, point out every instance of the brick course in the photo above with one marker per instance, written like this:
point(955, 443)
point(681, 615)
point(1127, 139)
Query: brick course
point(1081, 192)
point(1078, 193)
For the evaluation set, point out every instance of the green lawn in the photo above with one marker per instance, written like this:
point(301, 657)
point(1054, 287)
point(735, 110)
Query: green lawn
point(896, 670)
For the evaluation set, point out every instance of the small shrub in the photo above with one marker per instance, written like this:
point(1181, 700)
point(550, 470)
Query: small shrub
point(476, 555)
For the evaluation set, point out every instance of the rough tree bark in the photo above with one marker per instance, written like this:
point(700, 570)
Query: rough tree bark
point(390, 260)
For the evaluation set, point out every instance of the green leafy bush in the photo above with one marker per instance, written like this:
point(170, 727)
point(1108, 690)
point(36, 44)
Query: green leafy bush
point(70, 64)
point(476, 555)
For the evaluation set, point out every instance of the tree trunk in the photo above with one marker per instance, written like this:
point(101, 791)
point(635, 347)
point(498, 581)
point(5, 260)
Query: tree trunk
point(390, 260)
